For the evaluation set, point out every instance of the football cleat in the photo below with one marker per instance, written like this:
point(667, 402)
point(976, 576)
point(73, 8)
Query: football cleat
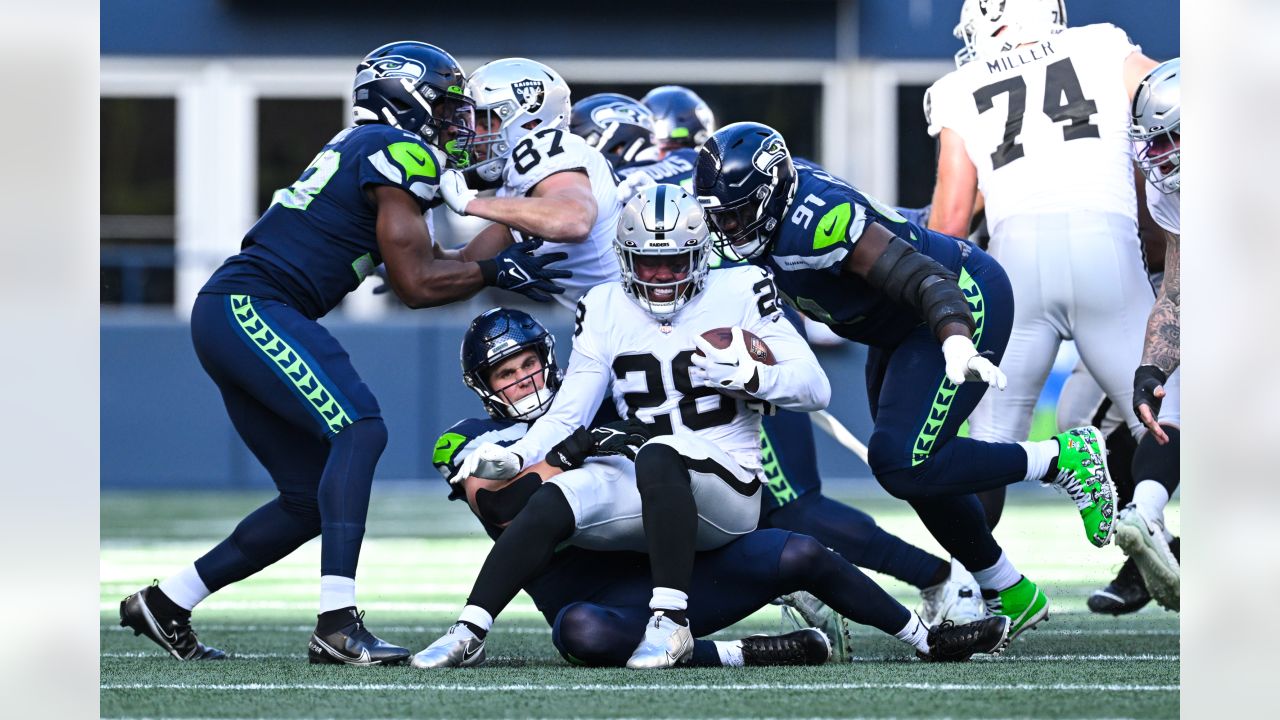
point(666, 644)
point(802, 610)
point(958, 599)
point(173, 633)
point(808, 646)
point(1143, 540)
point(353, 644)
point(1024, 604)
point(1125, 594)
point(949, 642)
point(1083, 475)
point(457, 648)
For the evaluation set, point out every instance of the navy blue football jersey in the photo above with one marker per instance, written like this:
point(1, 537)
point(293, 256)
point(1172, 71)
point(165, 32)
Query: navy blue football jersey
point(318, 240)
point(462, 439)
point(676, 168)
point(825, 219)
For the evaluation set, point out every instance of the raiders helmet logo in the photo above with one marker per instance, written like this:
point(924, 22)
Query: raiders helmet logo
point(529, 93)
point(396, 66)
point(771, 152)
point(992, 10)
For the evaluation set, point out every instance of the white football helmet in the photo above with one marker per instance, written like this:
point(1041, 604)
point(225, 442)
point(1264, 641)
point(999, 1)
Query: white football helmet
point(663, 225)
point(514, 97)
point(1154, 119)
point(1022, 21)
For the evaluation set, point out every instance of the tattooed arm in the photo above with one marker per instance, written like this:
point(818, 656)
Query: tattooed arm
point(1161, 355)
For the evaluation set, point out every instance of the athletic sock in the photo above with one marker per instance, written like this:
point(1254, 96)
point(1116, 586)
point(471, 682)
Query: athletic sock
point(730, 652)
point(1041, 456)
point(477, 619)
point(671, 603)
point(1001, 576)
point(1151, 496)
point(337, 592)
point(915, 633)
point(185, 588)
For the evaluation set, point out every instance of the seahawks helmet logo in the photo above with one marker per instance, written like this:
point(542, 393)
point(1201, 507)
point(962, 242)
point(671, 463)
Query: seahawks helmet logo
point(529, 93)
point(619, 112)
point(771, 152)
point(398, 66)
point(993, 10)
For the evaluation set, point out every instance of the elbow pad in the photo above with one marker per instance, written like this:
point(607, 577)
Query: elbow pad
point(501, 506)
point(917, 280)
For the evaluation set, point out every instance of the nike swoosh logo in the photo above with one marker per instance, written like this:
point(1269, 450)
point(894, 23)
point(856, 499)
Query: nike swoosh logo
point(468, 653)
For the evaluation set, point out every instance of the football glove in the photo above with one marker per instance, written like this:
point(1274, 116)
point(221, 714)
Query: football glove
point(572, 451)
point(454, 190)
point(489, 461)
point(633, 184)
point(732, 368)
point(623, 437)
point(965, 363)
point(516, 268)
point(1148, 394)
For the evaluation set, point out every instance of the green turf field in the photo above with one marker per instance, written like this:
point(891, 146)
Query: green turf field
point(422, 554)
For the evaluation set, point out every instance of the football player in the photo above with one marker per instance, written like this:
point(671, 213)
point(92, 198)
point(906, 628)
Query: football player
point(551, 185)
point(602, 508)
point(845, 259)
point(794, 501)
point(1036, 118)
point(616, 125)
point(289, 387)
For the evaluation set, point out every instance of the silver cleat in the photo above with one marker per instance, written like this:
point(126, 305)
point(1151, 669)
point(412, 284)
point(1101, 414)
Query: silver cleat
point(457, 648)
point(1143, 539)
point(958, 599)
point(666, 644)
point(802, 609)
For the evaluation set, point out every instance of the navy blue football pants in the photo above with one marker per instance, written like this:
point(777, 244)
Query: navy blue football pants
point(914, 451)
point(598, 611)
point(299, 405)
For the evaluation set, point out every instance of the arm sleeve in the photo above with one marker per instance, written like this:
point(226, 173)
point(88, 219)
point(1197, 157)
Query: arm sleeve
point(796, 382)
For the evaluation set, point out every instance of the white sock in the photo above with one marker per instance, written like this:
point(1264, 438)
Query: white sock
point(915, 633)
point(1151, 497)
point(1001, 576)
point(665, 598)
point(185, 588)
point(730, 652)
point(477, 616)
point(337, 592)
point(1039, 454)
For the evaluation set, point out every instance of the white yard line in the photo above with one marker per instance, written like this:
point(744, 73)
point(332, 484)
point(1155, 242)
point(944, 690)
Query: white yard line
point(1146, 657)
point(740, 687)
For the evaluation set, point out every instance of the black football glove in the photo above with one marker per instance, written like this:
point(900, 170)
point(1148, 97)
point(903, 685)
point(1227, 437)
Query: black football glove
point(517, 268)
point(571, 452)
point(623, 437)
point(1145, 381)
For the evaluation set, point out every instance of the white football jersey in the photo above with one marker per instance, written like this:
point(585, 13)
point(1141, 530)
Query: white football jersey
point(544, 153)
point(1166, 210)
point(647, 363)
point(1045, 124)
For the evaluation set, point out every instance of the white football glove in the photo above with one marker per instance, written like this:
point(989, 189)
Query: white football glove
point(728, 369)
point(489, 461)
point(964, 363)
point(633, 184)
point(453, 186)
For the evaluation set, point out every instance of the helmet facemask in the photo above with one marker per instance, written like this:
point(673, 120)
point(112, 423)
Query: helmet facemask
point(1154, 121)
point(496, 337)
point(664, 251)
point(514, 97)
point(539, 374)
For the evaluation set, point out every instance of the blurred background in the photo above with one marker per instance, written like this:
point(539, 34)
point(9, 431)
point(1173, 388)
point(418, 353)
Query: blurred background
point(208, 106)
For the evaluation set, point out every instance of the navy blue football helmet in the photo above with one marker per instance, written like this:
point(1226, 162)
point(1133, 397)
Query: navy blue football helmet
point(495, 336)
point(745, 180)
point(616, 125)
point(419, 88)
point(680, 117)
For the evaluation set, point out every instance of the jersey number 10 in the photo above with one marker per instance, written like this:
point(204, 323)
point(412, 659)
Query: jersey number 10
point(1064, 101)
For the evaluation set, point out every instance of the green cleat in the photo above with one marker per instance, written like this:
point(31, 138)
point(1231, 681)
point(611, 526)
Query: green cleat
point(1024, 604)
point(1083, 474)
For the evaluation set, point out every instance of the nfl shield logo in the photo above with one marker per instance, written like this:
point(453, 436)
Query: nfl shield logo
point(529, 93)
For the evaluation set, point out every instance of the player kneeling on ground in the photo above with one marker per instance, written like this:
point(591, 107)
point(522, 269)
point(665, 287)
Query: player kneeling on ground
point(697, 460)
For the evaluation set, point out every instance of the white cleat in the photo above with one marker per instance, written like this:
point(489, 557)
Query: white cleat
point(802, 610)
point(666, 644)
point(958, 599)
point(457, 648)
point(1143, 539)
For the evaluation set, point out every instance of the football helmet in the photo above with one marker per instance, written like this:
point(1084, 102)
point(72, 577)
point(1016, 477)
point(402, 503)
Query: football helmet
point(614, 124)
point(1021, 20)
point(680, 117)
point(662, 225)
point(745, 180)
point(1153, 125)
point(514, 97)
point(419, 88)
point(496, 335)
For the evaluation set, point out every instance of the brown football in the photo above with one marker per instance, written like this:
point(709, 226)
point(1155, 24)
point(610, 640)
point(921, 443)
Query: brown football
point(721, 337)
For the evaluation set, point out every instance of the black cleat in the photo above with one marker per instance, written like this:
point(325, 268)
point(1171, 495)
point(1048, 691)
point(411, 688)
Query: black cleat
point(1126, 594)
point(170, 631)
point(949, 642)
point(353, 644)
point(808, 646)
